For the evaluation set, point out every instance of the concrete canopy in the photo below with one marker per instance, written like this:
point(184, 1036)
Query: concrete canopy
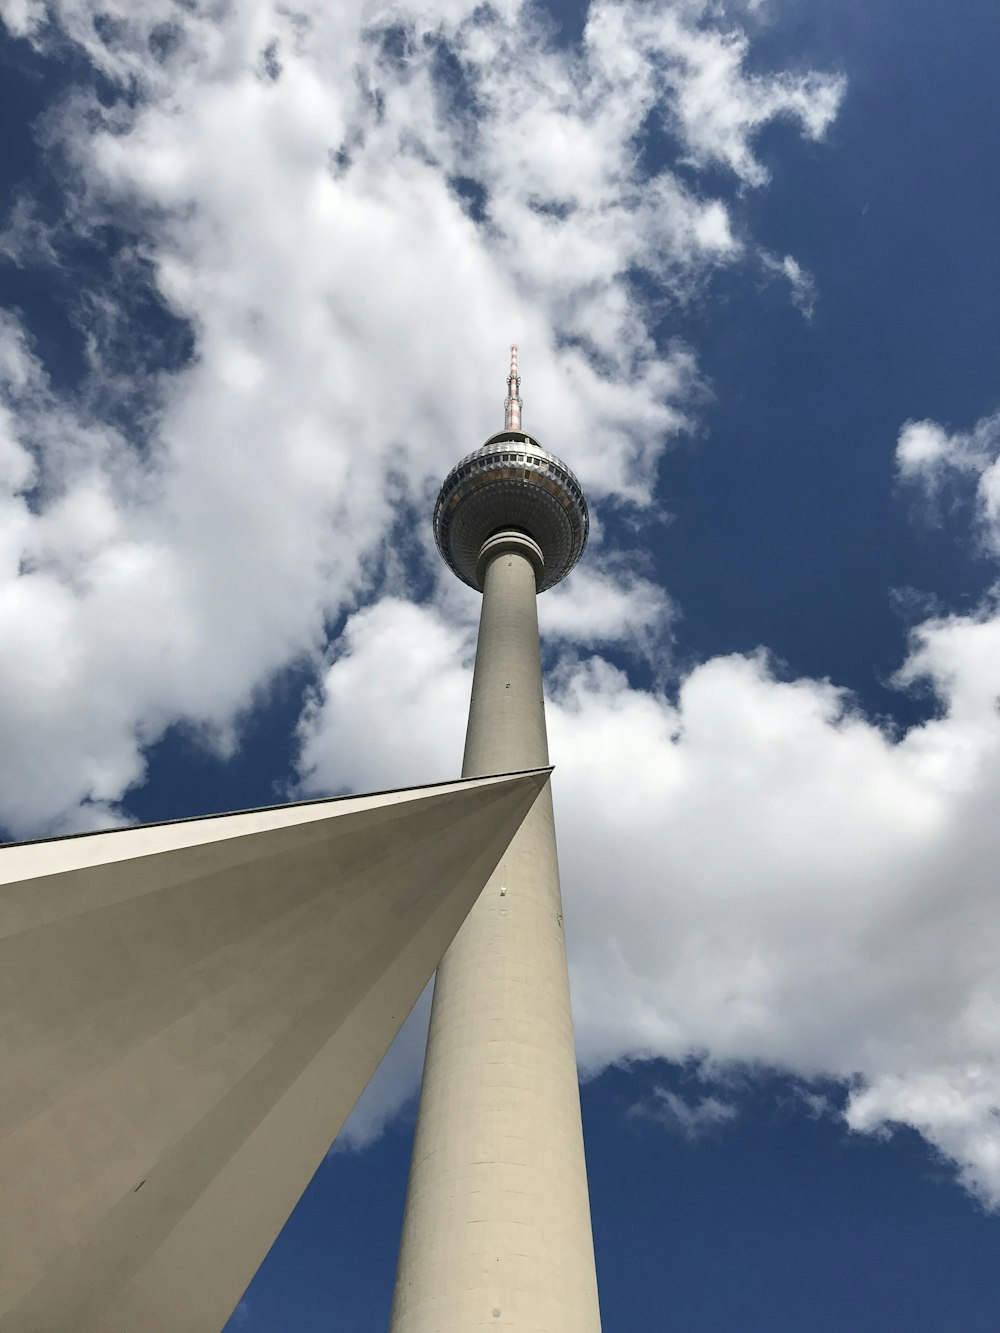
point(190, 1011)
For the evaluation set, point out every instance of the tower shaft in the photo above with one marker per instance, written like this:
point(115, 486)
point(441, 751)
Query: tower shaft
point(497, 1232)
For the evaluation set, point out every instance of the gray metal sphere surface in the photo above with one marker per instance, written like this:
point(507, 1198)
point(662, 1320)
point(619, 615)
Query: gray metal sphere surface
point(511, 482)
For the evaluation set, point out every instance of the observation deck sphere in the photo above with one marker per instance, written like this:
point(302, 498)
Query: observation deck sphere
point(511, 482)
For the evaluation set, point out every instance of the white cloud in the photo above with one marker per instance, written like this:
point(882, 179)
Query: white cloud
point(22, 17)
point(609, 603)
point(411, 668)
point(922, 446)
point(289, 182)
point(931, 456)
point(800, 282)
point(24, 236)
point(690, 1119)
point(956, 1109)
point(754, 872)
point(715, 106)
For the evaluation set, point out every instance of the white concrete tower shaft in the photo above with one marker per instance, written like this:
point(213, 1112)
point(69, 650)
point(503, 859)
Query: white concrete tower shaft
point(497, 1231)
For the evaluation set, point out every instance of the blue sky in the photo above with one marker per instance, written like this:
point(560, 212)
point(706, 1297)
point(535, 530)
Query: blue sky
point(258, 275)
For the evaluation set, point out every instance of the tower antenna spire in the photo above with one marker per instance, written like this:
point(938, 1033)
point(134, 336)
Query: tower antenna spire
point(513, 404)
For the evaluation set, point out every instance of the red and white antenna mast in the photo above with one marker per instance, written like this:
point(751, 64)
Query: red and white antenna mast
point(513, 403)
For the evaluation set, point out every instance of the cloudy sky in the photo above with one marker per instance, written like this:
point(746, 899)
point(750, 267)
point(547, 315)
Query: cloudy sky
point(260, 263)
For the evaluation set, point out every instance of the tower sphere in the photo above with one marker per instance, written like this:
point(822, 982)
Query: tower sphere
point(511, 483)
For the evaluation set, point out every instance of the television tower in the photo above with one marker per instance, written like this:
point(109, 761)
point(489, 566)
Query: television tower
point(496, 1231)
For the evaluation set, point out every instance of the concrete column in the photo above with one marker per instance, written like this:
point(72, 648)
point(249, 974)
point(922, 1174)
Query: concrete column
point(497, 1232)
